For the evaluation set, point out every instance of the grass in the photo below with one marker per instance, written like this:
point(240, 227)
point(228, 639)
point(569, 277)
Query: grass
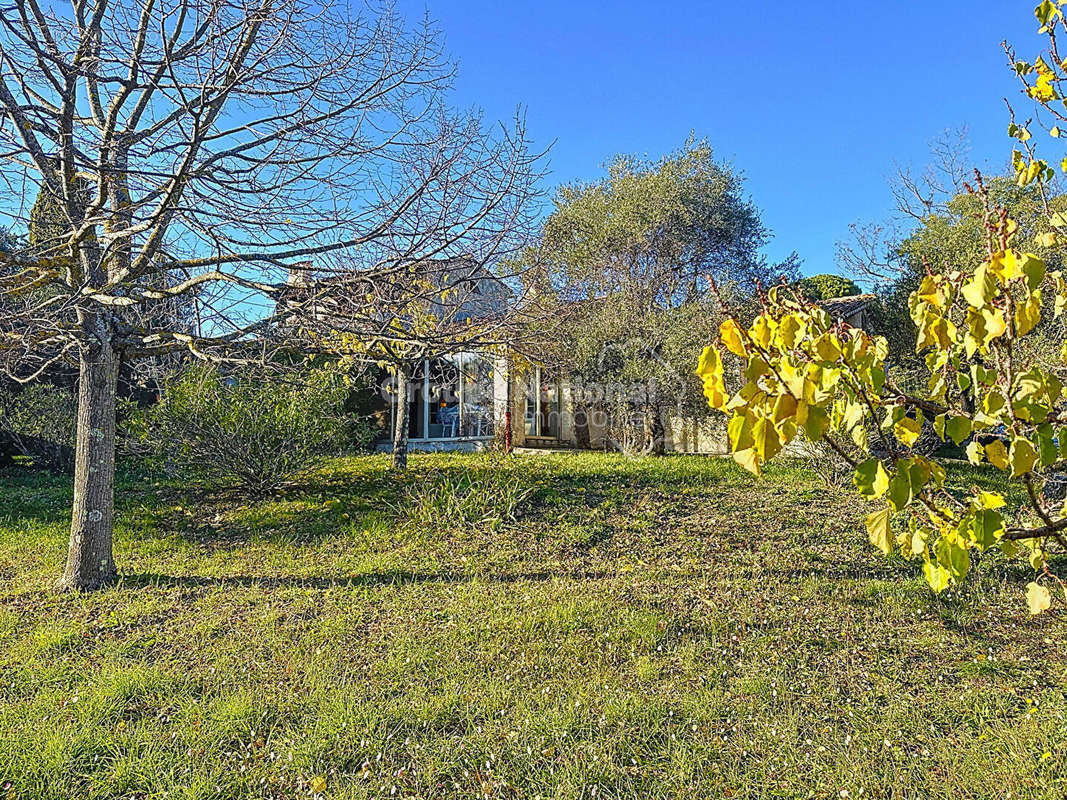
point(655, 628)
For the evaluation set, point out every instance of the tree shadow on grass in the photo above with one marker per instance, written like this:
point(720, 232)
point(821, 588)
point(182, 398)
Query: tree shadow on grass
point(371, 579)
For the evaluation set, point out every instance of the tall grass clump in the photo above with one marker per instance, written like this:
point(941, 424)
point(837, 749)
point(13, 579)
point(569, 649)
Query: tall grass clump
point(468, 500)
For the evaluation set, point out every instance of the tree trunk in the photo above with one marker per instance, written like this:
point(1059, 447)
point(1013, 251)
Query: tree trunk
point(581, 427)
point(90, 563)
point(400, 430)
point(657, 431)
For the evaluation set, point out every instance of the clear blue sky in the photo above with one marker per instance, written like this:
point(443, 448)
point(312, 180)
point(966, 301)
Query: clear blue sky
point(815, 101)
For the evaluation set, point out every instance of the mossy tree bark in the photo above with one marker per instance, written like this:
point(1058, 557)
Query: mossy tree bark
point(90, 562)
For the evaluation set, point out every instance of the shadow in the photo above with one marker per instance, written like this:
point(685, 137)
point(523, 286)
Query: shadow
point(34, 497)
point(388, 578)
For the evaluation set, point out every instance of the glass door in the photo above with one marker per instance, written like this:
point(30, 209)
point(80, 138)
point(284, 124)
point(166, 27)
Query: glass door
point(542, 407)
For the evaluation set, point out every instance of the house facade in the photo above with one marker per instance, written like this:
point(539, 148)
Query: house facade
point(469, 401)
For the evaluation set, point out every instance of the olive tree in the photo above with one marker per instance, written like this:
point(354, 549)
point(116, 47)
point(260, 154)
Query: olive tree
point(629, 262)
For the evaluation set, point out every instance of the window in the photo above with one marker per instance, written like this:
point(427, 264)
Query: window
point(444, 400)
point(451, 398)
point(477, 394)
point(542, 406)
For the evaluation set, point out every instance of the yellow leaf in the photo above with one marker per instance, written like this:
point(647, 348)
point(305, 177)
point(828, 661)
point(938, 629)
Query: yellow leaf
point(710, 369)
point(979, 289)
point(1023, 457)
point(930, 293)
point(748, 459)
point(762, 331)
point(740, 432)
point(974, 452)
point(730, 334)
point(992, 325)
point(853, 415)
point(813, 419)
point(1033, 269)
point(871, 478)
point(710, 363)
point(878, 530)
point(936, 576)
point(767, 442)
point(317, 785)
point(827, 348)
point(907, 431)
point(995, 324)
point(935, 331)
point(1038, 598)
point(989, 500)
point(1043, 90)
point(1006, 266)
point(790, 329)
point(1061, 293)
point(997, 454)
point(1028, 314)
point(785, 407)
point(715, 393)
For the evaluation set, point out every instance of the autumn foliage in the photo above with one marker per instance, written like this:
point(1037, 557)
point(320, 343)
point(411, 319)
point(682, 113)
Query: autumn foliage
point(805, 374)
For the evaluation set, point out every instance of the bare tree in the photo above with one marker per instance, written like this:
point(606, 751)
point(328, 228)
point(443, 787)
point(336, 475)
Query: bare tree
point(427, 312)
point(869, 251)
point(203, 149)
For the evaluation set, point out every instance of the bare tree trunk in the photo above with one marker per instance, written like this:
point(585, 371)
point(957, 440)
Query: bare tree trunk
point(400, 430)
point(90, 563)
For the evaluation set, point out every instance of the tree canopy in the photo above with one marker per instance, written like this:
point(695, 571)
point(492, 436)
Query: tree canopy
point(632, 263)
point(827, 286)
point(206, 151)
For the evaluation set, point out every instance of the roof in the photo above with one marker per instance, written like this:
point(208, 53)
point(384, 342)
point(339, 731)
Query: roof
point(475, 292)
point(845, 307)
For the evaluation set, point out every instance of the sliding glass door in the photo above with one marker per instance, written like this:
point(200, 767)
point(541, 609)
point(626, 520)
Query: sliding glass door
point(451, 398)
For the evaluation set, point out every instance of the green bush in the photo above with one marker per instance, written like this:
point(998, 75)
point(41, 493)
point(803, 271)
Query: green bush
point(37, 423)
point(826, 287)
point(249, 428)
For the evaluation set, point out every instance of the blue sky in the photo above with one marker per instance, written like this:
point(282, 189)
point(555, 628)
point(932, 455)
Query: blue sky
point(815, 101)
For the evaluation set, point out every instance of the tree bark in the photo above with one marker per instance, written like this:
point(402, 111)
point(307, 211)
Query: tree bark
point(90, 563)
point(400, 429)
point(581, 427)
point(657, 431)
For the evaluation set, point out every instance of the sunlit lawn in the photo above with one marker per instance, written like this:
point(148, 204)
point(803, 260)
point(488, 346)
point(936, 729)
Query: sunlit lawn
point(654, 628)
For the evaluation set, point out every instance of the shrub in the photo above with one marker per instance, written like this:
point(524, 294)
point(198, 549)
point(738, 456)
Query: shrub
point(826, 287)
point(37, 423)
point(248, 428)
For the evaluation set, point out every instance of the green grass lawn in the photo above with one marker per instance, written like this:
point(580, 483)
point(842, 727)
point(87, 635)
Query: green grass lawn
point(653, 628)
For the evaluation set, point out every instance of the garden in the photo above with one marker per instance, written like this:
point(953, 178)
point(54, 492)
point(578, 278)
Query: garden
point(613, 627)
point(347, 451)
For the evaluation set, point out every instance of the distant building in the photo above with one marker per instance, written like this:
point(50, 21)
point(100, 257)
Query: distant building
point(462, 401)
point(852, 310)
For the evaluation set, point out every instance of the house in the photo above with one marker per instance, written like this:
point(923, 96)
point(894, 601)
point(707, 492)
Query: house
point(852, 310)
point(456, 399)
point(468, 400)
